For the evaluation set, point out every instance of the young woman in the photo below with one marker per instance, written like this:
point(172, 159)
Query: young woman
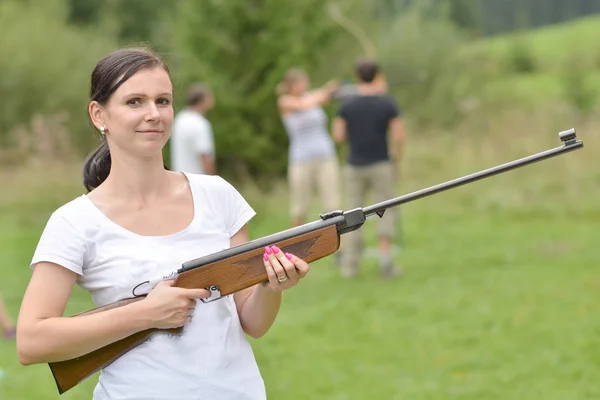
point(138, 223)
point(312, 159)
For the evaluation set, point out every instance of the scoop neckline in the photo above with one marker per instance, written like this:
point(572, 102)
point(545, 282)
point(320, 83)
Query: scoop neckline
point(128, 232)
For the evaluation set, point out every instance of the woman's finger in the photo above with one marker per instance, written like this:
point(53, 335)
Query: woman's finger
point(290, 269)
point(280, 274)
point(270, 273)
point(301, 266)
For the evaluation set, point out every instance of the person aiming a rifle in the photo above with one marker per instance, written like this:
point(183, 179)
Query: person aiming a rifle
point(137, 223)
point(367, 121)
point(312, 157)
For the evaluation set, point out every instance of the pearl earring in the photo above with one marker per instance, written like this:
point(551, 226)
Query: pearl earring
point(102, 130)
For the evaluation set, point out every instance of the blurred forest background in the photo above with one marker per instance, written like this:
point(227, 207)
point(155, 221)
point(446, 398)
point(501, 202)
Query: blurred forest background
point(447, 62)
point(501, 278)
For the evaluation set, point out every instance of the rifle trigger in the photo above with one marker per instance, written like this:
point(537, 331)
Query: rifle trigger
point(215, 294)
point(380, 213)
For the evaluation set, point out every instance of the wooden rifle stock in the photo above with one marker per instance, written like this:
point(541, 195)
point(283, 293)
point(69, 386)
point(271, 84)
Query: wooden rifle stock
point(240, 267)
point(229, 275)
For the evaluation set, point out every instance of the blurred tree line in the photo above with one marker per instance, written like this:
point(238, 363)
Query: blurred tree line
point(242, 49)
point(491, 17)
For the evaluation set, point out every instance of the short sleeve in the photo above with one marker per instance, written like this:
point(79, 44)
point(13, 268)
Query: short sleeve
point(394, 110)
point(342, 110)
point(60, 243)
point(203, 138)
point(237, 210)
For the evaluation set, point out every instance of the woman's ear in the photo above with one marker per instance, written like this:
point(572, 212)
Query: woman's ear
point(96, 114)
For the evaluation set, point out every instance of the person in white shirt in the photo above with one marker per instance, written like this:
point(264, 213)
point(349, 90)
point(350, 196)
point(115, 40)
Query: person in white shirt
point(137, 223)
point(192, 141)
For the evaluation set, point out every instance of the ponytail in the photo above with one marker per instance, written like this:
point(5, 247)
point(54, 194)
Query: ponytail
point(97, 167)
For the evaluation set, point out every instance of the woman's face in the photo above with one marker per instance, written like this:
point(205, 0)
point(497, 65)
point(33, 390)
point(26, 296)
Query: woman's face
point(300, 85)
point(139, 114)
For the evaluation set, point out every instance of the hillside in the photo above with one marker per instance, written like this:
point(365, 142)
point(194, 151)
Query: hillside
point(551, 63)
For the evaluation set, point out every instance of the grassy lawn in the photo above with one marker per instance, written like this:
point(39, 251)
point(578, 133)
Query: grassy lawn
point(529, 90)
point(552, 46)
point(564, 67)
point(498, 301)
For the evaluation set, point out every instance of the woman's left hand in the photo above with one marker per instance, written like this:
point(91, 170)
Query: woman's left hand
point(284, 269)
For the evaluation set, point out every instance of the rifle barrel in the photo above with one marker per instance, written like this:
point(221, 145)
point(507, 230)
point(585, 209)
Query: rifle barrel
point(568, 137)
point(353, 219)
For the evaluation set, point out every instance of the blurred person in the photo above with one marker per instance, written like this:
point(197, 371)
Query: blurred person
point(127, 236)
point(192, 140)
point(348, 89)
point(364, 121)
point(8, 326)
point(312, 156)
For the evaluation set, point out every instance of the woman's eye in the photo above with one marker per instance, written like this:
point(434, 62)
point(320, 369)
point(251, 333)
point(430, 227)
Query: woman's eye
point(133, 102)
point(164, 102)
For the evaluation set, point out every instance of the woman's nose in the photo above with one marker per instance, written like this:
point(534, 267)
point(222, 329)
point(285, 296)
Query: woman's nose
point(152, 113)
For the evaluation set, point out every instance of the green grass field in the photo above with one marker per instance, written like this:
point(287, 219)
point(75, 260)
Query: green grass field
point(557, 53)
point(500, 293)
point(552, 46)
point(498, 302)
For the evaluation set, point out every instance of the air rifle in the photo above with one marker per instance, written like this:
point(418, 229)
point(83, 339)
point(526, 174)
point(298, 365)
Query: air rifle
point(239, 267)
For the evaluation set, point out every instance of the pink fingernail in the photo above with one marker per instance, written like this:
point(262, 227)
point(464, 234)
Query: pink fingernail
point(288, 255)
point(275, 249)
point(268, 250)
point(265, 257)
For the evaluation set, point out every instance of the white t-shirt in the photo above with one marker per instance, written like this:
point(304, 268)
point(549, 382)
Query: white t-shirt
point(212, 359)
point(191, 136)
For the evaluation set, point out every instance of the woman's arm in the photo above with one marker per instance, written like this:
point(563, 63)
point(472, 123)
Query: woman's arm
point(338, 128)
point(314, 98)
point(288, 103)
point(44, 335)
point(258, 306)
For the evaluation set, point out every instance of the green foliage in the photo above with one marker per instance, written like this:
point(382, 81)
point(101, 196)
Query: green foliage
point(44, 68)
point(85, 12)
point(578, 92)
point(466, 15)
point(520, 58)
point(130, 21)
point(242, 51)
point(420, 57)
point(536, 67)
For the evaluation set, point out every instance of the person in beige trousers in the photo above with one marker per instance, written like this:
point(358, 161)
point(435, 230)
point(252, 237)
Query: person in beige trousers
point(365, 121)
point(312, 156)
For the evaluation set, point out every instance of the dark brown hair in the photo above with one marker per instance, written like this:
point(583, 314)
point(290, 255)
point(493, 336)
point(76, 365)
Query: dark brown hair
point(110, 73)
point(367, 70)
point(197, 93)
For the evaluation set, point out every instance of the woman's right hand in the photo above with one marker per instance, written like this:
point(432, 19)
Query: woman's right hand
point(331, 86)
point(171, 307)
